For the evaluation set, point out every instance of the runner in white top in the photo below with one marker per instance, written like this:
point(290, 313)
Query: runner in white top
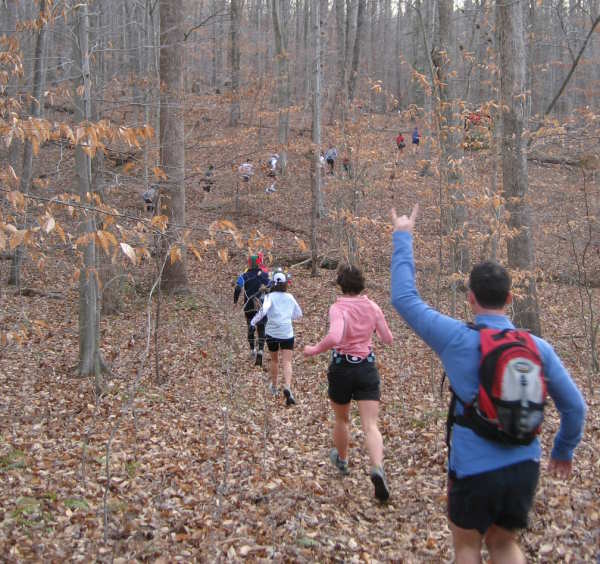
point(246, 170)
point(281, 308)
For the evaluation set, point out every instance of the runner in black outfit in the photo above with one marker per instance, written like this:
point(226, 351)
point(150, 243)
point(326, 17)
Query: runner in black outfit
point(251, 282)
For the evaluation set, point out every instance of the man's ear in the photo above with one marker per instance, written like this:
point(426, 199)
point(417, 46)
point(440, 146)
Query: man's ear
point(471, 297)
point(509, 299)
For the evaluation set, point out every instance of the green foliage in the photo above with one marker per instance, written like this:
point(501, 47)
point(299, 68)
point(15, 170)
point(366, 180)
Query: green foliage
point(76, 503)
point(14, 459)
point(187, 303)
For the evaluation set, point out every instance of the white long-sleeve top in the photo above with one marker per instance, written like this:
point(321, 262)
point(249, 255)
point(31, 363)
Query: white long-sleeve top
point(281, 309)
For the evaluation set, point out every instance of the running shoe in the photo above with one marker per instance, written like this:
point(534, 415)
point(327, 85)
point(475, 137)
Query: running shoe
point(289, 397)
point(273, 389)
point(259, 358)
point(341, 465)
point(382, 492)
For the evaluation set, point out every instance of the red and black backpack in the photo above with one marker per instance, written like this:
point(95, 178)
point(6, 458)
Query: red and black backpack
point(509, 405)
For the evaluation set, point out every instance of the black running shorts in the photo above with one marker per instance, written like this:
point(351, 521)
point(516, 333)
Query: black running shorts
point(274, 344)
point(353, 381)
point(501, 497)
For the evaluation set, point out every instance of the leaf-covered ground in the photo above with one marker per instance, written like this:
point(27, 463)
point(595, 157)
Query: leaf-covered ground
point(206, 465)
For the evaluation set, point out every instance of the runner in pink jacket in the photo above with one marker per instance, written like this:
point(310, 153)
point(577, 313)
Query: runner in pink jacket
point(352, 374)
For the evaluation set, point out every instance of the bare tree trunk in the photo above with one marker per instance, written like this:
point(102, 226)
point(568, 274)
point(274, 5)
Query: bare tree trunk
point(37, 102)
point(217, 67)
point(317, 201)
point(397, 55)
point(8, 15)
point(450, 137)
point(172, 137)
point(280, 28)
point(307, 57)
point(338, 100)
point(35, 111)
point(235, 113)
point(360, 20)
point(513, 101)
point(90, 358)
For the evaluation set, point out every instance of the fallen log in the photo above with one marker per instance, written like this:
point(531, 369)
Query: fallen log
point(32, 292)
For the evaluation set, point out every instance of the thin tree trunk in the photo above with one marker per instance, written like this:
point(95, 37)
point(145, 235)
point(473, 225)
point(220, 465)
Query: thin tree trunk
point(513, 102)
point(338, 100)
point(450, 137)
point(172, 137)
point(280, 28)
point(90, 359)
point(8, 15)
point(360, 20)
point(35, 111)
point(235, 112)
point(317, 202)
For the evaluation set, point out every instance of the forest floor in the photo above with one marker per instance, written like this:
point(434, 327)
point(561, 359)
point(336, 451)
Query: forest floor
point(205, 465)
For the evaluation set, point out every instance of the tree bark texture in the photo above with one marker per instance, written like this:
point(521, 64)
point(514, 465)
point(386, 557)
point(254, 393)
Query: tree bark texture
point(35, 111)
point(280, 29)
point(172, 138)
point(90, 359)
point(234, 36)
point(360, 21)
point(513, 103)
point(450, 133)
point(315, 177)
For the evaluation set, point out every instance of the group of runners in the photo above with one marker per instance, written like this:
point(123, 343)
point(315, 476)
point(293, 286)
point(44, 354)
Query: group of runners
point(499, 377)
point(416, 140)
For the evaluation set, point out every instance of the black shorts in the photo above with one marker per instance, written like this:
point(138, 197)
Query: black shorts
point(274, 344)
point(415, 141)
point(349, 381)
point(501, 497)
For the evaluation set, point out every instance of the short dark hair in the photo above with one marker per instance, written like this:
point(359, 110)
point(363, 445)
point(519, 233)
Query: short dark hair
point(490, 282)
point(350, 279)
point(279, 287)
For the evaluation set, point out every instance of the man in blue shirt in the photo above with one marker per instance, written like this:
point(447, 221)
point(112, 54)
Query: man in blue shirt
point(252, 282)
point(491, 485)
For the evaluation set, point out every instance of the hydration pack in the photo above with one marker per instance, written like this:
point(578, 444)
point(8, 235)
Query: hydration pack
point(509, 406)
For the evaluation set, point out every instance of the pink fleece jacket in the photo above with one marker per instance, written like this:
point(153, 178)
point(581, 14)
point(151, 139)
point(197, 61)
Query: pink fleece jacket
point(352, 320)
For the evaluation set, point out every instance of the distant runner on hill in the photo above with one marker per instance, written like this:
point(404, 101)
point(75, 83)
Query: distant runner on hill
point(416, 139)
point(209, 178)
point(499, 377)
point(273, 160)
point(353, 373)
point(246, 170)
point(400, 142)
point(281, 308)
point(149, 196)
point(330, 156)
point(252, 282)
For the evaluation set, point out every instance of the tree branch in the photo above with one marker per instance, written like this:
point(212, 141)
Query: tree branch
point(204, 22)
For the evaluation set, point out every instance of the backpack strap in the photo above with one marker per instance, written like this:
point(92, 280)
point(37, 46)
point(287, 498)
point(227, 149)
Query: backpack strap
point(452, 418)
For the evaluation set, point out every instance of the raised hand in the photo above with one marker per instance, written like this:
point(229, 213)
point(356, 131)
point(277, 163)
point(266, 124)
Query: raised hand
point(404, 223)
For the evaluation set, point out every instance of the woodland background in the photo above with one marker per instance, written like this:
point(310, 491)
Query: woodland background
point(133, 425)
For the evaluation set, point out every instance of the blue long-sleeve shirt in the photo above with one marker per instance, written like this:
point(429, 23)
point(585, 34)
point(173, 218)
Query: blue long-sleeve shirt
point(457, 346)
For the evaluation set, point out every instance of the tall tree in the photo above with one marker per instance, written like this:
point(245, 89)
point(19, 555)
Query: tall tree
point(358, 39)
point(513, 104)
point(315, 170)
point(35, 111)
point(234, 54)
point(280, 28)
point(8, 15)
point(338, 100)
point(450, 138)
point(172, 140)
point(90, 357)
